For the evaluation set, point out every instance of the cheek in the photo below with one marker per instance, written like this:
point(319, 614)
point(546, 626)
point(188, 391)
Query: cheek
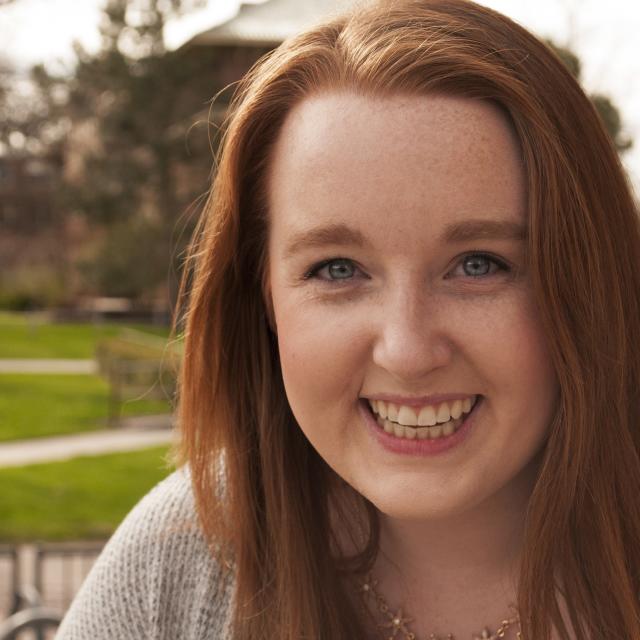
point(522, 356)
point(322, 357)
point(529, 345)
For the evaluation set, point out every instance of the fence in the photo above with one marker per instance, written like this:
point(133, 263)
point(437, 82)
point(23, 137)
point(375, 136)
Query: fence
point(38, 584)
point(136, 365)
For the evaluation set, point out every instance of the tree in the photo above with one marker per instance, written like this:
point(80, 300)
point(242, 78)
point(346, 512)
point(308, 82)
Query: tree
point(123, 116)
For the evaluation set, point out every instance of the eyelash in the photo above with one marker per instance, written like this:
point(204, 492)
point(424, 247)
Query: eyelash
point(313, 272)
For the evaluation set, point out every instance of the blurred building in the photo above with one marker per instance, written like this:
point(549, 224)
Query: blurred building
point(253, 31)
point(32, 238)
point(26, 188)
point(269, 23)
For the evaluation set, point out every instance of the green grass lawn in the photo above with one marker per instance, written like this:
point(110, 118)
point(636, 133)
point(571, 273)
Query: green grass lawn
point(85, 498)
point(22, 336)
point(35, 405)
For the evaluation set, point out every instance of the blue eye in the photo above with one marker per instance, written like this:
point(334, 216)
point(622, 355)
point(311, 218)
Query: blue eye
point(477, 265)
point(334, 269)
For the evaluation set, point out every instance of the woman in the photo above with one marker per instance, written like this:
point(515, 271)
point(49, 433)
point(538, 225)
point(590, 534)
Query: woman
point(409, 399)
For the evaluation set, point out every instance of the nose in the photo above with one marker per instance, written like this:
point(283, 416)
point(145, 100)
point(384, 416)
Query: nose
point(411, 338)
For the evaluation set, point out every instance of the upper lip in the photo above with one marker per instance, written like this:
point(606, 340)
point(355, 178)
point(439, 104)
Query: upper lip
point(420, 401)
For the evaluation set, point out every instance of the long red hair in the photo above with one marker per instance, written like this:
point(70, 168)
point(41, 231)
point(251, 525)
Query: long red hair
point(264, 495)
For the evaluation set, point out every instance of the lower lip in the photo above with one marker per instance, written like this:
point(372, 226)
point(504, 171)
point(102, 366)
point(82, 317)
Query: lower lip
point(417, 447)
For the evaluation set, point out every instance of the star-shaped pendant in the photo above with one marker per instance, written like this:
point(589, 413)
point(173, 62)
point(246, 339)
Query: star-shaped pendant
point(397, 623)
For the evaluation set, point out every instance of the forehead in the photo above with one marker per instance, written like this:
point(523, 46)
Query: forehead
point(370, 159)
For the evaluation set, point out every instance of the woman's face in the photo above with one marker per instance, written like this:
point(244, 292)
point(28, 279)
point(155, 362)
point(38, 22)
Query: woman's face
point(398, 275)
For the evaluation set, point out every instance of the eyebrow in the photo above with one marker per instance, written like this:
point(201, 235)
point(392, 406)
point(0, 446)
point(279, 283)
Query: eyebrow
point(332, 234)
point(340, 234)
point(484, 230)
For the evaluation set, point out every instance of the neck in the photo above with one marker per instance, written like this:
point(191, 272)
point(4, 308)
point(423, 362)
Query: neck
point(456, 574)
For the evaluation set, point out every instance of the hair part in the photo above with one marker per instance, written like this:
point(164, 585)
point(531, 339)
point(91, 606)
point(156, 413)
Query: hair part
point(265, 498)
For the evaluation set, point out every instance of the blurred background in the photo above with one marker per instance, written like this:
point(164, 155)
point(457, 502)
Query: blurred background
point(107, 135)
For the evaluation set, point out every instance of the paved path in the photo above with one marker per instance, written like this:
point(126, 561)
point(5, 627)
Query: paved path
point(138, 433)
point(28, 365)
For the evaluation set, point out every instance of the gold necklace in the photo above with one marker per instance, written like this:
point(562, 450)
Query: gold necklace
point(398, 623)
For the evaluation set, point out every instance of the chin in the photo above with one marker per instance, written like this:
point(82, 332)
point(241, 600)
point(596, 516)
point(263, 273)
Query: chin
point(406, 505)
point(417, 513)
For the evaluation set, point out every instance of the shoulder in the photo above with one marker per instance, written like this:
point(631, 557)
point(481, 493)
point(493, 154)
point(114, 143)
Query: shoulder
point(156, 577)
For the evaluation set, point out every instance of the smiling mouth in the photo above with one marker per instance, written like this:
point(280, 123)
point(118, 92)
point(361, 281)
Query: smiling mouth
point(446, 420)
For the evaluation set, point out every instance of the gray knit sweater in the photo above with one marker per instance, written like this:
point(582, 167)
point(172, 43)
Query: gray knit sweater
point(155, 578)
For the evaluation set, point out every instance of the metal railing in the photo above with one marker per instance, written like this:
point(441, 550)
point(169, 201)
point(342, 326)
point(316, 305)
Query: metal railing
point(71, 560)
point(36, 619)
point(30, 609)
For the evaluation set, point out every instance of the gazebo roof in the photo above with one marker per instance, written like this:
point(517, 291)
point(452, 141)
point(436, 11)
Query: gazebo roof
point(271, 22)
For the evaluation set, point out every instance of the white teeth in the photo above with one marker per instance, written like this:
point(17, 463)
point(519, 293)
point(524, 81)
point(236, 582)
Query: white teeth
point(429, 423)
point(443, 414)
point(420, 433)
point(447, 428)
point(427, 417)
point(435, 432)
point(407, 417)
